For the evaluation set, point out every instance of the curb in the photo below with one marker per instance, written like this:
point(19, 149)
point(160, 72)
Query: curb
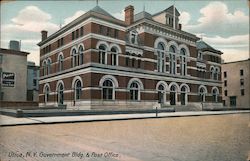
point(39, 122)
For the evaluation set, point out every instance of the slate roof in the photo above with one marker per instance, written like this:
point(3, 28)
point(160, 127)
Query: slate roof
point(13, 52)
point(169, 10)
point(99, 10)
point(142, 15)
point(95, 12)
point(201, 45)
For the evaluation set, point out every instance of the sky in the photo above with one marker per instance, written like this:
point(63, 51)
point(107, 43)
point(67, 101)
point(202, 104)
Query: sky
point(222, 24)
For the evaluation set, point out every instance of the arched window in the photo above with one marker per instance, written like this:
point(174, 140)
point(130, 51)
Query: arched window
point(133, 62)
point(161, 93)
point(173, 88)
point(133, 37)
point(77, 90)
point(212, 72)
point(80, 55)
point(108, 90)
point(172, 49)
point(46, 94)
point(48, 66)
point(139, 61)
point(134, 91)
point(114, 56)
point(60, 93)
point(183, 62)
point(60, 63)
point(202, 93)
point(172, 57)
point(200, 55)
point(102, 54)
point(160, 58)
point(216, 74)
point(44, 67)
point(215, 94)
point(127, 59)
point(183, 89)
point(75, 58)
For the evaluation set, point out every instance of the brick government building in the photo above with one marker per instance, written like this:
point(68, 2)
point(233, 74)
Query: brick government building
point(100, 62)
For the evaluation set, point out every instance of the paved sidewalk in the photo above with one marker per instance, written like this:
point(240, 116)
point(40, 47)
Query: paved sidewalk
point(12, 121)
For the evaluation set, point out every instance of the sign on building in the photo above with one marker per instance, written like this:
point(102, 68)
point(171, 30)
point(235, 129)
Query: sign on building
point(8, 79)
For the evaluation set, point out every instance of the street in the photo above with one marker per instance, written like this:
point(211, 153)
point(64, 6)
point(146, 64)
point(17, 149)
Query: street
point(200, 138)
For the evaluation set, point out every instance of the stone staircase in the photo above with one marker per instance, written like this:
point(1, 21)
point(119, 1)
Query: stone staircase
point(180, 108)
point(187, 108)
point(212, 106)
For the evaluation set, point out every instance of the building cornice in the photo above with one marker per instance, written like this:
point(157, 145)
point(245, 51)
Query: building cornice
point(164, 29)
point(240, 61)
point(13, 52)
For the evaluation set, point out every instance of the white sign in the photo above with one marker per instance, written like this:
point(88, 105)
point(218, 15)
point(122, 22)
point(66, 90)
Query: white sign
point(8, 79)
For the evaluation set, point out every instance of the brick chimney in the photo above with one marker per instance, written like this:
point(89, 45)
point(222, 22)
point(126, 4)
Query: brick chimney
point(44, 34)
point(129, 15)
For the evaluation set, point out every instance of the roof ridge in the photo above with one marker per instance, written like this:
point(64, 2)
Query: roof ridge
point(100, 10)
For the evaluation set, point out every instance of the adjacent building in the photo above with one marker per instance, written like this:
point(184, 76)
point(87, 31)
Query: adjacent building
point(100, 62)
point(236, 84)
point(32, 81)
point(13, 68)
point(18, 79)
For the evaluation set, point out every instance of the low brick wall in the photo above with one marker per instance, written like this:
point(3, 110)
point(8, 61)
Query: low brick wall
point(18, 105)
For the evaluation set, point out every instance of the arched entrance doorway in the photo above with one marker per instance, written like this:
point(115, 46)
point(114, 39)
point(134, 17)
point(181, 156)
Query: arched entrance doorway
point(46, 95)
point(202, 94)
point(183, 95)
point(173, 94)
point(77, 90)
point(215, 93)
point(60, 94)
point(161, 94)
